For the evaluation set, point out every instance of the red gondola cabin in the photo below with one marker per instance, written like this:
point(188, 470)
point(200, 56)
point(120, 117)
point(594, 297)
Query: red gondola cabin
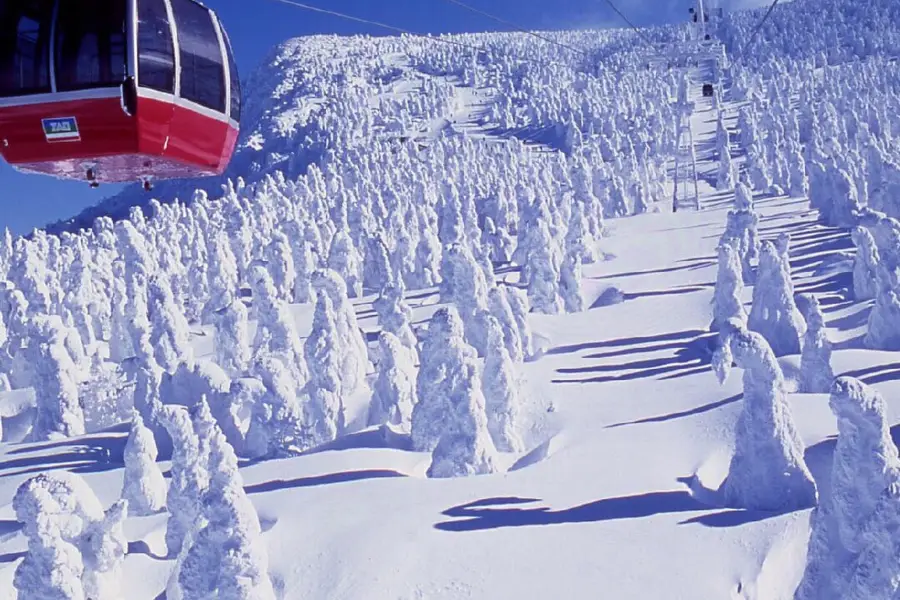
point(116, 90)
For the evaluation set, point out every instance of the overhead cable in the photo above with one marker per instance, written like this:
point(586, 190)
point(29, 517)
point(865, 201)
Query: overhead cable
point(759, 27)
point(628, 21)
point(395, 29)
point(515, 26)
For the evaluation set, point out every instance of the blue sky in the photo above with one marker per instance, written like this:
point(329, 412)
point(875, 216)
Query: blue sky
point(255, 26)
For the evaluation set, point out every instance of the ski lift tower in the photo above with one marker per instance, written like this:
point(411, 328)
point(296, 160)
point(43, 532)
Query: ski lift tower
point(687, 190)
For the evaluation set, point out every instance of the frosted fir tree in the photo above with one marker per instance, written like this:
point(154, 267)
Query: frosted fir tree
point(498, 242)
point(798, 186)
point(743, 197)
point(774, 313)
point(464, 447)
point(276, 331)
point(865, 265)
point(189, 477)
point(90, 542)
point(816, 375)
point(323, 355)
point(543, 285)
point(377, 271)
point(394, 391)
point(865, 474)
point(104, 548)
point(501, 392)
point(305, 263)
point(726, 176)
point(464, 284)
point(53, 377)
point(767, 470)
point(578, 237)
point(518, 303)
point(280, 265)
point(844, 207)
point(394, 314)
point(570, 288)
point(883, 328)
point(144, 486)
point(502, 311)
point(276, 428)
point(222, 273)
point(442, 352)
point(354, 360)
point(170, 333)
point(227, 558)
point(232, 326)
point(52, 568)
point(345, 260)
point(728, 303)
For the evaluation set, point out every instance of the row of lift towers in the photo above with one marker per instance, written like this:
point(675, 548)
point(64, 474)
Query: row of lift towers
point(702, 54)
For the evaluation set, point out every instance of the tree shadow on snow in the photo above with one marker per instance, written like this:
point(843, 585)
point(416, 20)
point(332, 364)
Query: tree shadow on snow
point(493, 513)
point(876, 374)
point(317, 480)
point(678, 415)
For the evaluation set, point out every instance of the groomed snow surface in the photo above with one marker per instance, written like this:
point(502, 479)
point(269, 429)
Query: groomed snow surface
point(475, 353)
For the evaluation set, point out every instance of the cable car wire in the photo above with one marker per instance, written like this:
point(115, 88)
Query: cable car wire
point(401, 30)
point(503, 21)
point(759, 27)
point(628, 21)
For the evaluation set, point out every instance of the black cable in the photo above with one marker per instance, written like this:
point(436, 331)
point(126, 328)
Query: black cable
point(401, 30)
point(628, 21)
point(517, 27)
point(759, 27)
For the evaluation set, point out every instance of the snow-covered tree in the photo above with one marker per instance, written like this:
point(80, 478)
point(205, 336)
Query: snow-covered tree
point(442, 353)
point(344, 258)
point(767, 470)
point(543, 284)
point(816, 375)
point(276, 422)
point(189, 477)
point(394, 391)
point(774, 313)
point(232, 338)
point(518, 303)
point(323, 355)
point(354, 362)
point(59, 411)
point(276, 332)
point(841, 560)
point(501, 391)
point(883, 330)
point(727, 300)
point(69, 533)
point(394, 314)
point(570, 289)
point(465, 446)
point(227, 558)
point(144, 486)
point(280, 265)
point(52, 568)
point(502, 311)
point(726, 177)
point(865, 264)
point(170, 333)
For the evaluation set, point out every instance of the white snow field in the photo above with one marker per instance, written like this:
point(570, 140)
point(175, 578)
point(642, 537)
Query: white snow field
point(441, 335)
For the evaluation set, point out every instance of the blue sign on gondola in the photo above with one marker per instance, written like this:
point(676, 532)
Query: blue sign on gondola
point(62, 129)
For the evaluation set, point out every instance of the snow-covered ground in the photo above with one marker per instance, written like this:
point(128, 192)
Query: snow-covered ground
point(622, 480)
